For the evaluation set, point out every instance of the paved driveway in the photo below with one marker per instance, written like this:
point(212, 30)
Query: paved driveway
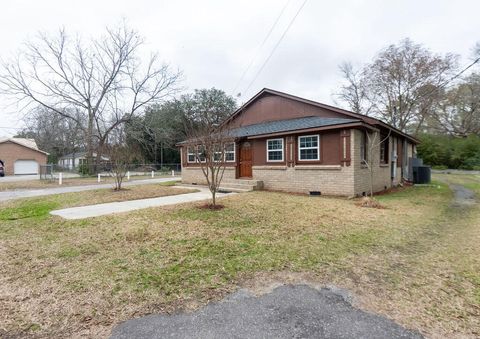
point(18, 194)
point(291, 311)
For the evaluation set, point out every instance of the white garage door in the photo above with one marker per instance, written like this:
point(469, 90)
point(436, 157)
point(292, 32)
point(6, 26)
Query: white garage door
point(26, 167)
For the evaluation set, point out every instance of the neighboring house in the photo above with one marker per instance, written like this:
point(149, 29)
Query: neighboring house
point(75, 160)
point(298, 145)
point(21, 156)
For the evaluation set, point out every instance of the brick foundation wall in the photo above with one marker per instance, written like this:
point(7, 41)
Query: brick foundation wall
point(381, 172)
point(192, 175)
point(329, 180)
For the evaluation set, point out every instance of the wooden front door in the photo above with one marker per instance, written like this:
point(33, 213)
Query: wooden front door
point(245, 162)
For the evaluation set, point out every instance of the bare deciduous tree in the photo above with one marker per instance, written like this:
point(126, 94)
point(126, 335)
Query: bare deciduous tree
point(103, 80)
point(121, 156)
point(210, 149)
point(354, 92)
point(458, 113)
point(207, 138)
point(400, 85)
point(53, 133)
point(371, 159)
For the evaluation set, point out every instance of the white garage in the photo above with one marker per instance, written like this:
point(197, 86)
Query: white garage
point(25, 167)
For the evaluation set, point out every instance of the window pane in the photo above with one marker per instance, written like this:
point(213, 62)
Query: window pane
point(275, 155)
point(309, 154)
point(190, 154)
point(230, 147)
point(275, 144)
point(309, 141)
point(201, 153)
point(229, 156)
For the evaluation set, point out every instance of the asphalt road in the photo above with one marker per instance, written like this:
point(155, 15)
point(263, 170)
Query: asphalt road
point(291, 311)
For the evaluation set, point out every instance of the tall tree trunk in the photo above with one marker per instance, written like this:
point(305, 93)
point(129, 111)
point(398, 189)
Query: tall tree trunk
point(98, 158)
point(90, 143)
point(161, 154)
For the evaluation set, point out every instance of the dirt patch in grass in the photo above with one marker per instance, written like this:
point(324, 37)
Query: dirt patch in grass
point(415, 261)
point(212, 207)
point(369, 202)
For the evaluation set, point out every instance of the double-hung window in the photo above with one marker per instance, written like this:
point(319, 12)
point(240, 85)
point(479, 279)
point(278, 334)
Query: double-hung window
point(191, 154)
point(384, 150)
point(364, 148)
point(230, 152)
point(201, 153)
point(309, 148)
point(217, 153)
point(275, 150)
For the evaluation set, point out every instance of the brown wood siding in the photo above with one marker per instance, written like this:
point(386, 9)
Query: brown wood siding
point(330, 150)
point(272, 108)
point(260, 152)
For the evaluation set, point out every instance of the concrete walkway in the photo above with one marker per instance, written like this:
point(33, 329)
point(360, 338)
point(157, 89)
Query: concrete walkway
point(90, 211)
point(18, 194)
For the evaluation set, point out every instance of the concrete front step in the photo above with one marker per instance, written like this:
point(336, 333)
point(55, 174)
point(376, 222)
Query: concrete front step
point(234, 189)
point(243, 184)
point(237, 185)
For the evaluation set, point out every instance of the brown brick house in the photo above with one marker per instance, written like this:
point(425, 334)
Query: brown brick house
point(292, 144)
point(21, 156)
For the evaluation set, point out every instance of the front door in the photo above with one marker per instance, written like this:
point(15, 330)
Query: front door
point(245, 170)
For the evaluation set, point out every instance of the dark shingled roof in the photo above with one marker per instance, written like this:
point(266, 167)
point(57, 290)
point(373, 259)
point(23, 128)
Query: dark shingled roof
point(288, 125)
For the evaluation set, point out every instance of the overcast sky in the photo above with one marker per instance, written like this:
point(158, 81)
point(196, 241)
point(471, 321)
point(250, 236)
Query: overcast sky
point(213, 42)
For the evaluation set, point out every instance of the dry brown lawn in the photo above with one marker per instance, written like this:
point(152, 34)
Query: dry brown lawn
point(415, 261)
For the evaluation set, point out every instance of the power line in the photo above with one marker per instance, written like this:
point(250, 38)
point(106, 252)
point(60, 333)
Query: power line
point(460, 73)
point(254, 57)
point(276, 46)
point(446, 82)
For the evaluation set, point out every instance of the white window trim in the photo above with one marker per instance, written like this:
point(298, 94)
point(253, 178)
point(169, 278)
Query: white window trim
point(194, 154)
point(234, 152)
point(317, 148)
point(276, 150)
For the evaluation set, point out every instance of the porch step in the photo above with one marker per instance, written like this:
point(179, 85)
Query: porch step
point(241, 185)
point(236, 190)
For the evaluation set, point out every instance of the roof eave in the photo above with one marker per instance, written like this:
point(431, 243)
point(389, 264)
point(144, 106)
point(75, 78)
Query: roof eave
point(23, 145)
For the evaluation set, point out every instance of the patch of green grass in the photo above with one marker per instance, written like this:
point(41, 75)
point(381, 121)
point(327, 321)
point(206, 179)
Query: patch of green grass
point(68, 252)
point(418, 194)
point(28, 209)
point(168, 183)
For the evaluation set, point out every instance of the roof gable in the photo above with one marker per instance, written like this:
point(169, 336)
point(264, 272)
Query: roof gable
point(261, 108)
point(28, 143)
